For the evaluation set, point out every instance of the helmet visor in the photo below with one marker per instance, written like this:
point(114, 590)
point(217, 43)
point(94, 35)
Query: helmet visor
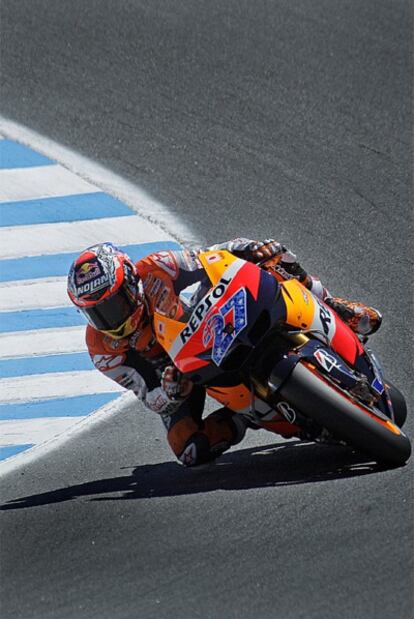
point(111, 313)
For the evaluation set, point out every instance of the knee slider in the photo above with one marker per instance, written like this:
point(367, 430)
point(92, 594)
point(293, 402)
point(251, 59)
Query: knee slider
point(197, 451)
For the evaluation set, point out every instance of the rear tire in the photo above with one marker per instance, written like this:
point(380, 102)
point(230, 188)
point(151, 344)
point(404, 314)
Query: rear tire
point(312, 394)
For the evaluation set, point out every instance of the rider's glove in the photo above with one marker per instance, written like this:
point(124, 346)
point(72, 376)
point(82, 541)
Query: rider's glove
point(255, 251)
point(263, 250)
point(175, 385)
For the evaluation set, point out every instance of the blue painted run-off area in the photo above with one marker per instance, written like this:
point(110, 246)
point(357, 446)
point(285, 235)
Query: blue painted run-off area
point(45, 364)
point(31, 320)
point(79, 207)
point(77, 406)
point(14, 155)
point(7, 451)
point(57, 265)
point(20, 412)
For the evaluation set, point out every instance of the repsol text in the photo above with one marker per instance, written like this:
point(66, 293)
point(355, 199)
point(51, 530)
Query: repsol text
point(202, 308)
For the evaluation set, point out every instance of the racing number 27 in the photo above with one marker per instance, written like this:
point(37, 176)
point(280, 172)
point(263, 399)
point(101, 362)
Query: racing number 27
point(224, 329)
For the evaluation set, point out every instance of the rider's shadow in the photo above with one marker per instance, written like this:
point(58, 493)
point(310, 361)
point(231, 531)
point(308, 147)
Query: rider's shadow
point(267, 466)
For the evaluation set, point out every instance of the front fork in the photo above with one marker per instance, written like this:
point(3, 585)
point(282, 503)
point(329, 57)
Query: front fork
point(379, 384)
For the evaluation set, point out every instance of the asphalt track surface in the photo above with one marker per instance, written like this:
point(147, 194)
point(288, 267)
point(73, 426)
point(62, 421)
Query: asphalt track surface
point(285, 118)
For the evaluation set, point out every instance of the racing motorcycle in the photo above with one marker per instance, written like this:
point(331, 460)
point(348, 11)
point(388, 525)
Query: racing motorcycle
point(268, 348)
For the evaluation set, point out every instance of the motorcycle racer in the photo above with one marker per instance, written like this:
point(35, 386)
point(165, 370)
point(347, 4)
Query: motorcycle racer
point(119, 298)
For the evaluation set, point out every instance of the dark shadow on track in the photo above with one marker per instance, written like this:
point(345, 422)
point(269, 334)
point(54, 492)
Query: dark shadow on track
point(267, 466)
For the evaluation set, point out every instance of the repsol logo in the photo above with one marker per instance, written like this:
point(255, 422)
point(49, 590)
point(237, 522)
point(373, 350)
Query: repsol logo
point(202, 308)
point(93, 285)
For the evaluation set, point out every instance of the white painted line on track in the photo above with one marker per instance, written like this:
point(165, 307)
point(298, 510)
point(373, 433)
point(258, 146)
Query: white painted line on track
point(140, 201)
point(55, 385)
point(34, 430)
point(42, 293)
point(46, 239)
point(153, 222)
point(81, 425)
point(37, 293)
point(42, 182)
point(42, 342)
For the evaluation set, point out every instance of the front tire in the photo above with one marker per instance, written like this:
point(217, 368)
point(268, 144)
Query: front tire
point(399, 404)
point(360, 426)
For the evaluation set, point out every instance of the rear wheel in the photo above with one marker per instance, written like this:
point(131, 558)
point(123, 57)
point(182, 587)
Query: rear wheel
point(361, 427)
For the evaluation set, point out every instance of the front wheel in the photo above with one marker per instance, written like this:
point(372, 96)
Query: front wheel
point(366, 429)
point(399, 404)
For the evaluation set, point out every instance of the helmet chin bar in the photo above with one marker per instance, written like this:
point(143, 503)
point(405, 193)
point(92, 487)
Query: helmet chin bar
point(127, 328)
point(123, 331)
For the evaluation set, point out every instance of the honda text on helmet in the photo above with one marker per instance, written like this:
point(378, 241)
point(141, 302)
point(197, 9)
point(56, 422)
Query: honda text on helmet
point(104, 284)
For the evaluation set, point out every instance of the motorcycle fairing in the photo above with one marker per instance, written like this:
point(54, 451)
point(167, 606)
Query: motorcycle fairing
point(314, 352)
point(306, 312)
point(199, 341)
point(211, 342)
point(242, 306)
point(331, 365)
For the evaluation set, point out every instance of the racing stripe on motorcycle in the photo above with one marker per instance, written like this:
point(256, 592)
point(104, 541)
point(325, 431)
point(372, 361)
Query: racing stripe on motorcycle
point(48, 215)
point(178, 341)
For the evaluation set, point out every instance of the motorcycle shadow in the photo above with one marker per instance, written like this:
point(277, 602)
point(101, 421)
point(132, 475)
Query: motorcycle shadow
point(281, 464)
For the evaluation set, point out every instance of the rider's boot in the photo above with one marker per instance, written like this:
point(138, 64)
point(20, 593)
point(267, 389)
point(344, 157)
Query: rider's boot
point(361, 318)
